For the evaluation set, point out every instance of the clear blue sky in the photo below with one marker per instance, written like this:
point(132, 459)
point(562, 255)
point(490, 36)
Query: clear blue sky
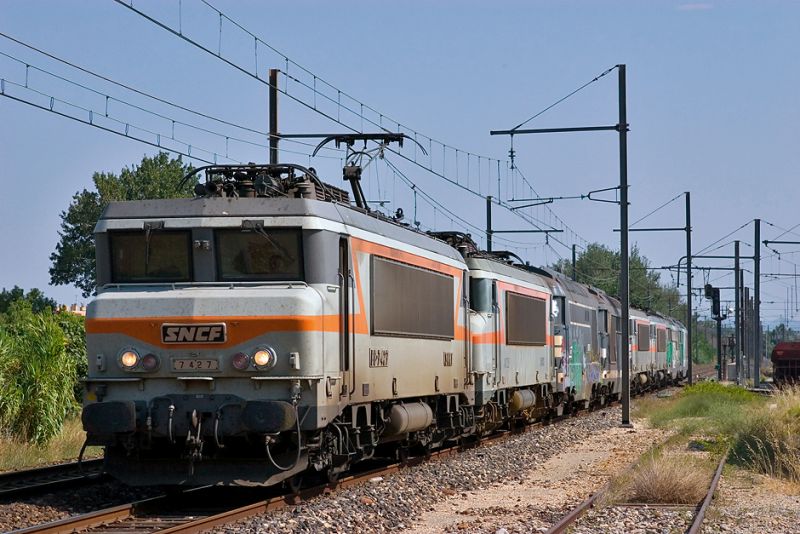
point(713, 106)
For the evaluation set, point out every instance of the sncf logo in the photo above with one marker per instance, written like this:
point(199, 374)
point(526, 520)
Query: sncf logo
point(193, 333)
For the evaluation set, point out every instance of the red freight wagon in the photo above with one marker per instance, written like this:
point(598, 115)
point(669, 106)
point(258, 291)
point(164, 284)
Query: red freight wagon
point(786, 362)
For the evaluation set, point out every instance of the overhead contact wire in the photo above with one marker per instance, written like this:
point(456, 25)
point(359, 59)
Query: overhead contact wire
point(562, 99)
point(284, 91)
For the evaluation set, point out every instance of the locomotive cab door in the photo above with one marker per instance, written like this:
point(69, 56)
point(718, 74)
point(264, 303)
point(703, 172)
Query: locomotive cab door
point(616, 342)
point(496, 356)
point(560, 336)
point(602, 337)
point(345, 276)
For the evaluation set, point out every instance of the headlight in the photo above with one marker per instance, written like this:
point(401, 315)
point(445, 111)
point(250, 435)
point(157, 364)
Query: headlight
point(265, 358)
point(150, 362)
point(129, 359)
point(240, 361)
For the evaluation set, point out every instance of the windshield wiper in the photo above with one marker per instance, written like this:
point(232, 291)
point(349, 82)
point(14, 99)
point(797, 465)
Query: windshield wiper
point(148, 228)
point(263, 233)
point(258, 227)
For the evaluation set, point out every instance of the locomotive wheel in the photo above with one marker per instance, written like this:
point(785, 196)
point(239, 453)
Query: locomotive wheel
point(333, 476)
point(295, 483)
point(402, 455)
point(468, 442)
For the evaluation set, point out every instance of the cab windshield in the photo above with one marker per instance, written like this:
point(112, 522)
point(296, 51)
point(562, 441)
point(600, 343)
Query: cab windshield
point(150, 256)
point(259, 254)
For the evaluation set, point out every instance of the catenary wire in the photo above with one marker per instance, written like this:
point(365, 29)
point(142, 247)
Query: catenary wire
point(255, 76)
point(562, 99)
point(665, 204)
point(137, 107)
point(135, 90)
point(125, 134)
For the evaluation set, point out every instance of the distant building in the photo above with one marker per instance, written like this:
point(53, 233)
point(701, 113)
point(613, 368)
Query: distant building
point(77, 309)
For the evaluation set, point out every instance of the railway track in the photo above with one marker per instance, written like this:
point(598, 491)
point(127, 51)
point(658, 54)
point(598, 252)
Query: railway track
point(17, 484)
point(570, 518)
point(200, 509)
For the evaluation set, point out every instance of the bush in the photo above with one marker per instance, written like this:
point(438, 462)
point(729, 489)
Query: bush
point(769, 441)
point(37, 375)
point(664, 480)
point(74, 328)
point(764, 433)
point(709, 406)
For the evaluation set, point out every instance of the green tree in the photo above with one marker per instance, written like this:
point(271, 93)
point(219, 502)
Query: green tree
point(73, 261)
point(35, 297)
point(37, 376)
point(781, 332)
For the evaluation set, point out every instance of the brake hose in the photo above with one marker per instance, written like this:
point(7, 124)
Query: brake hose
point(299, 447)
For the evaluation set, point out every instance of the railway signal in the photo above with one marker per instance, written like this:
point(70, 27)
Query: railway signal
point(712, 293)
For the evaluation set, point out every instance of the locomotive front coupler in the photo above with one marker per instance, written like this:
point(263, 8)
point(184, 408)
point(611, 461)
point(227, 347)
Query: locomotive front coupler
point(295, 392)
point(194, 444)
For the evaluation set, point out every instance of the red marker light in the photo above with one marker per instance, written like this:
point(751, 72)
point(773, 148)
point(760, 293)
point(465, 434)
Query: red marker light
point(150, 362)
point(240, 361)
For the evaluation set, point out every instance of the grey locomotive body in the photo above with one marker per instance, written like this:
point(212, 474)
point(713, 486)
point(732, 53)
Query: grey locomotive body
point(244, 338)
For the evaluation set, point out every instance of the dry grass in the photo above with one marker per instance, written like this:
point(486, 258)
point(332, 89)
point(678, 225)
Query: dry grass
point(764, 433)
point(770, 441)
point(64, 447)
point(668, 480)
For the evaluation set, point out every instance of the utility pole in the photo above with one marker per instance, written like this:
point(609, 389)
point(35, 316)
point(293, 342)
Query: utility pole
point(688, 230)
point(719, 348)
point(273, 116)
point(489, 231)
point(746, 353)
point(574, 271)
point(757, 304)
point(738, 299)
point(622, 128)
point(689, 283)
point(623, 246)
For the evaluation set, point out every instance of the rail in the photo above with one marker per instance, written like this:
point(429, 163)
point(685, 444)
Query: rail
point(30, 481)
point(573, 515)
point(697, 522)
point(167, 516)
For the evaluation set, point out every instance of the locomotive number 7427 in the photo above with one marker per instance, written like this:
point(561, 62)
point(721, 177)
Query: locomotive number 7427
point(195, 364)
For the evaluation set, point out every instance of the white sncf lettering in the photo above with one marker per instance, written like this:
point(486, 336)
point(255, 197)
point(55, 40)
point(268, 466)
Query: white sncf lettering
point(201, 333)
point(171, 334)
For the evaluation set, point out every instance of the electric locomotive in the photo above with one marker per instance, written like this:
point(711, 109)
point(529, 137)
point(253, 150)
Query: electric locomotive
point(263, 325)
point(267, 327)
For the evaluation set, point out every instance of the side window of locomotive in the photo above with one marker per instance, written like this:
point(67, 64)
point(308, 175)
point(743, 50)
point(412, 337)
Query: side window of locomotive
point(602, 328)
point(259, 254)
point(155, 256)
point(643, 337)
point(560, 313)
point(411, 301)
point(480, 295)
point(661, 340)
point(526, 320)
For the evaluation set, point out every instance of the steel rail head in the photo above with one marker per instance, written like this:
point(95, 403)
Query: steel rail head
point(701, 513)
point(565, 522)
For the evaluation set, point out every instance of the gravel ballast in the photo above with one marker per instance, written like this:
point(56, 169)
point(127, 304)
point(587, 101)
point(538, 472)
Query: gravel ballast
point(65, 503)
point(748, 502)
point(395, 502)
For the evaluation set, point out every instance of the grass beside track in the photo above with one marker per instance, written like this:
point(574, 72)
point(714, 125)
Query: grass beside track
point(762, 432)
point(15, 455)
